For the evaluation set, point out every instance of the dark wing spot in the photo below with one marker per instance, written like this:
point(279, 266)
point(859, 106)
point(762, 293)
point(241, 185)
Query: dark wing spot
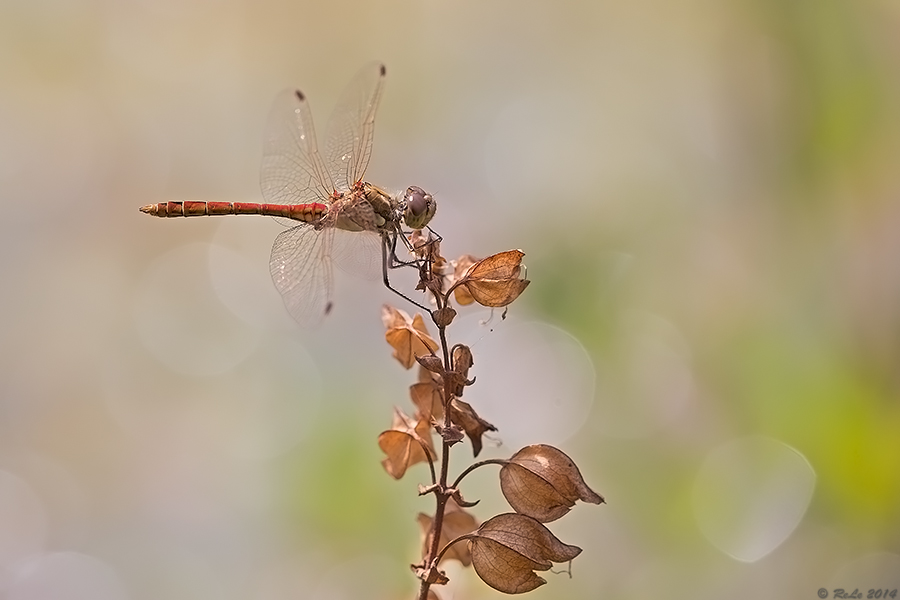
point(383, 71)
point(299, 95)
point(328, 307)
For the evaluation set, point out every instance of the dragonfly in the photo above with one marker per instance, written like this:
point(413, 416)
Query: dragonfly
point(323, 197)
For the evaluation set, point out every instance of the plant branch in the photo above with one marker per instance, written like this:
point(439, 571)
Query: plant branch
point(472, 467)
point(441, 494)
point(440, 555)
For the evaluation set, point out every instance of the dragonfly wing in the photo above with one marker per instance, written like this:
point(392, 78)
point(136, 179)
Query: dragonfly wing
point(358, 253)
point(292, 168)
point(348, 139)
point(301, 269)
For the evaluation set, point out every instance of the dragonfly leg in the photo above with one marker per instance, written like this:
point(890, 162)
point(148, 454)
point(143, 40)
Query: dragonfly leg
point(387, 256)
point(396, 262)
point(437, 237)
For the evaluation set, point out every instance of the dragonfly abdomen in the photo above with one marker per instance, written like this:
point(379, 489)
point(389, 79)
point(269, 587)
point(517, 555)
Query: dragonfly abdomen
point(308, 213)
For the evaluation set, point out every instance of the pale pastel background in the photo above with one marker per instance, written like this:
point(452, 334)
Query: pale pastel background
point(708, 195)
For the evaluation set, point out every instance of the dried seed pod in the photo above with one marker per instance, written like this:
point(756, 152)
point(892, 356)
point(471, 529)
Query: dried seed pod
point(460, 267)
point(443, 316)
point(542, 482)
point(462, 359)
point(494, 281)
point(509, 548)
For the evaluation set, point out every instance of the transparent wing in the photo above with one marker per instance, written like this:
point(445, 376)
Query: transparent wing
point(348, 139)
point(301, 269)
point(292, 168)
point(358, 253)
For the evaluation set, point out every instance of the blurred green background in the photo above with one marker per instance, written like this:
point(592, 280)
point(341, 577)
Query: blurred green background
point(708, 196)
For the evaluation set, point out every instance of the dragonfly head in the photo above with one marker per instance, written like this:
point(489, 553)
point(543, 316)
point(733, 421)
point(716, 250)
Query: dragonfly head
point(419, 207)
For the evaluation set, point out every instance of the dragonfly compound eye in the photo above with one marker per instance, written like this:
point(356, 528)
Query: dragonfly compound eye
point(420, 207)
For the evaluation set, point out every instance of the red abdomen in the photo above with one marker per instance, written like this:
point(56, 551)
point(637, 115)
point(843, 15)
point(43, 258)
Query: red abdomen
point(308, 213)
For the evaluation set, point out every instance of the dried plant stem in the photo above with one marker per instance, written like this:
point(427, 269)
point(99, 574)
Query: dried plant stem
point(472, 467)
point(441, 492)
point(541, 484)
point(449, 545)
point(441, 504)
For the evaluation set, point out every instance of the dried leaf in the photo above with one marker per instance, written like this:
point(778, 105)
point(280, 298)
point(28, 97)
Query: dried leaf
point(403, 443)
point(509, 548)
point(407, 336)
point(457, 522)
point(462, 414)
point(542, 482)
point(494, 281)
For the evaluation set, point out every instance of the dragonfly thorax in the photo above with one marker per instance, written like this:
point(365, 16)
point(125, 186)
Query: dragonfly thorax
point(384, 205)
point(414, 208)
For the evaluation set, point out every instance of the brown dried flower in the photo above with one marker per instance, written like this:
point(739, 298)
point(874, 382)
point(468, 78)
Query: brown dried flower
point(407, 336)
point(494, 281)
point(406, 443)
point(509, 548)
point(542, 482)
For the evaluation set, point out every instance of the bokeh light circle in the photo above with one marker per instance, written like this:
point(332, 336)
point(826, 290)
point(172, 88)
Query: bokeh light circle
point(274, 400)
point(66, 576)
point(258, 410)
point(646, 384)
point(181, 320)
point(239, 271)
point(23, 520)
point(534, 380)
point(750, 494)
